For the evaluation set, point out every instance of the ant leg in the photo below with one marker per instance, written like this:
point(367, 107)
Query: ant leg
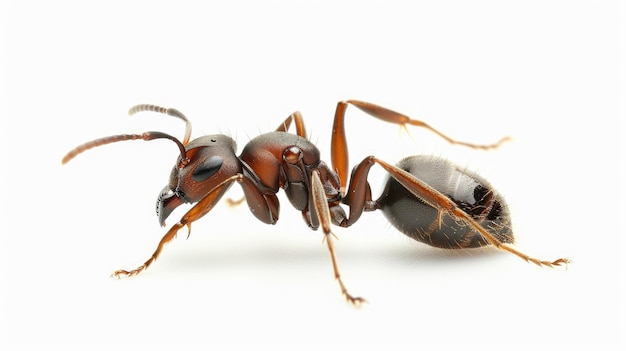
point(398, 118)
point(196, 212)
point(266, 204)
point(443, 204)
point(321, 210)
point(297, 117)
point(171, 234)
point(339, 145)
point(233, 203)
point(266, 211)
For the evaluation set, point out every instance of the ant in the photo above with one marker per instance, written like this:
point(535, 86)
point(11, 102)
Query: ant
point(427, 198)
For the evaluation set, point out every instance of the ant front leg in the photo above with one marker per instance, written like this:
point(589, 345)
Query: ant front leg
point(196, 212)
point(339, 144)
point(321, 210)
point(266, 210)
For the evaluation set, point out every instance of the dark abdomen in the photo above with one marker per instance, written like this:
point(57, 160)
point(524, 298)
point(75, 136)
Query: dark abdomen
point(473, 194)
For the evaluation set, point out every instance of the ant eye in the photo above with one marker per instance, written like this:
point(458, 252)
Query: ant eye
point(207, 168)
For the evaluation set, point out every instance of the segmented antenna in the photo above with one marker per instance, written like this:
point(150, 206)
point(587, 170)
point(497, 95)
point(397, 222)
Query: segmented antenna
point(145, 136)
point(167, 111)
point(115, 138)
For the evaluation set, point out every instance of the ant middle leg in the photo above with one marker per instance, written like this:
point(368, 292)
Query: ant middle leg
point(320, 209)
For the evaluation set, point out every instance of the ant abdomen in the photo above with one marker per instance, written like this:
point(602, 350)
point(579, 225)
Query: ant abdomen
point(469, 191)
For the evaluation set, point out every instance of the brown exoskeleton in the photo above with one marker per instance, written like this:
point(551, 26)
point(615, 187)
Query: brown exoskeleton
point(427, 198)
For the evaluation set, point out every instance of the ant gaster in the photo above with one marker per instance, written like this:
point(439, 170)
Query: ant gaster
point(429, 199)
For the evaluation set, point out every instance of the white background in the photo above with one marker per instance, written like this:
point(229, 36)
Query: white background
point(544, 72)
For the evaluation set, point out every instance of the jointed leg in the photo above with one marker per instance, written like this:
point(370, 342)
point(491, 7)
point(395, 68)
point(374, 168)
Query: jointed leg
point(196, 212)
point(171, 234)
point(339, 145)
point(232, 202)
point(297, 117)
point(323, 213)
point(398, 118)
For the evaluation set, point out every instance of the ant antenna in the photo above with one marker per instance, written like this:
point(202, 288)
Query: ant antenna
point(167, 111)
point(145, 136)
point(115, 138)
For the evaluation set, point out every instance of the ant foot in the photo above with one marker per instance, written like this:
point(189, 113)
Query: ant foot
point(124, 273)
point(355, 301)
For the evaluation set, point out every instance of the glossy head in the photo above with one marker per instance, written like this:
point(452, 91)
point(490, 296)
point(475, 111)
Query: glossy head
point(210, 160)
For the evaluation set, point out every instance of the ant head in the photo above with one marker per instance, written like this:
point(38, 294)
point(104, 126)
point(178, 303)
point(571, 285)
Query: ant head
point(208, 161)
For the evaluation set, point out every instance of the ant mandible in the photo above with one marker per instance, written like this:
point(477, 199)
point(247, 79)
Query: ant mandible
point(428, 199)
